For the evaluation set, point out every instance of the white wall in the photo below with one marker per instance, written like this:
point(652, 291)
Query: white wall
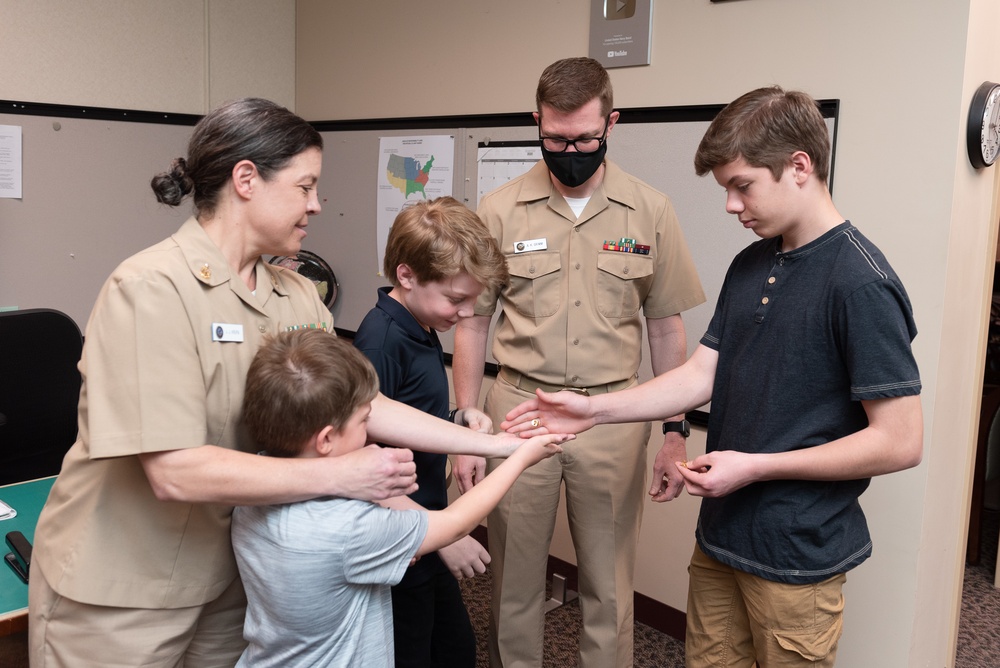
point(904, 71)
point(182, 56)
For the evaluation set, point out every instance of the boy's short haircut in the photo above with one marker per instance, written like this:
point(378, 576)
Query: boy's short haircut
point(765, 127)
point(301, 381)
point(568, 84)
point(440, 238)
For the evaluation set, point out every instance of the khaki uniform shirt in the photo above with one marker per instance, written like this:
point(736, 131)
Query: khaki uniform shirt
point(571, 312)
point(155, 380)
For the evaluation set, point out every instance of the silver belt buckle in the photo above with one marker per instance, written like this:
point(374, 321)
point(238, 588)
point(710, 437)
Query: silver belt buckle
point(578, 390)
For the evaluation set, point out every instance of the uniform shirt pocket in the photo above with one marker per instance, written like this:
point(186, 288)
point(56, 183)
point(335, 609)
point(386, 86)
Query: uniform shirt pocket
point(623, 280)
point(534, 283)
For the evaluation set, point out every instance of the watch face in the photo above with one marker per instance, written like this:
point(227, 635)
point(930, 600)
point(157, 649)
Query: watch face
point(990, 133)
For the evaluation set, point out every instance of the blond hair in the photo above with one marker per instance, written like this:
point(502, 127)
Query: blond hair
point(440, 238)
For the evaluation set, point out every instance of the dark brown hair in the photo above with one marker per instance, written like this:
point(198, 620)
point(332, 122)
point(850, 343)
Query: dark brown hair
point(439, 238)
point(765, 127)
point(265, 133)
point(568, 84)
point(301, 381)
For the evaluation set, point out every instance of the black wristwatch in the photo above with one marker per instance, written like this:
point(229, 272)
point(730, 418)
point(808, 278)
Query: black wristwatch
point(683, 427)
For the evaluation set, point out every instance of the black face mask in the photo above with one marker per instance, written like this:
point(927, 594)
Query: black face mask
point(573, 168)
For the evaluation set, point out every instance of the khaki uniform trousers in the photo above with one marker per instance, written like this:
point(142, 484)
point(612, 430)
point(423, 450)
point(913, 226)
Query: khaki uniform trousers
point(739, 620)
point(604, 475)
point(67, 634)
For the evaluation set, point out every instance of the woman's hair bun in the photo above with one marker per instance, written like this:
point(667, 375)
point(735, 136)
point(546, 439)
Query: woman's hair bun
point(172, 186)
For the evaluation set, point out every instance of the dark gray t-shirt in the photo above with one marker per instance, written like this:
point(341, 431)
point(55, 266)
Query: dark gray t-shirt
point(803, 337)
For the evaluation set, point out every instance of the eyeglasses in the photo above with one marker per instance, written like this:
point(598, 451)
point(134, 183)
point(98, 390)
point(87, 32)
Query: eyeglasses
point(582, 144)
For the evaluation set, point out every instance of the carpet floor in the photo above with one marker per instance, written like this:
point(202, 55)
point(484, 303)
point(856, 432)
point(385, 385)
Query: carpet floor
point(653, 649)
point(979, 624)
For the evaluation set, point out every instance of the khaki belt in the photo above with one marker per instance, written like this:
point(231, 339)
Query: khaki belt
point(522, 382)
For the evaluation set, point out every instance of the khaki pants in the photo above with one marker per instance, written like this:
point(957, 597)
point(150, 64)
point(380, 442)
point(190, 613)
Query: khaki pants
point(735, 619)
point(603, 471)
point(63, 633)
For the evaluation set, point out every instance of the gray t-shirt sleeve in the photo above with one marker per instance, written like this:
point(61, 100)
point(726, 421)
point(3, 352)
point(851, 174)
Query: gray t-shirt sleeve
point(382, 544)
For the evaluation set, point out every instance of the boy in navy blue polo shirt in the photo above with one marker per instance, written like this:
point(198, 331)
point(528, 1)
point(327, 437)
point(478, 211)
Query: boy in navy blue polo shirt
point(814, 390)
point(439, 256)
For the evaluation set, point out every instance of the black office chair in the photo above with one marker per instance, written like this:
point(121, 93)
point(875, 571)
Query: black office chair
point(39, 391)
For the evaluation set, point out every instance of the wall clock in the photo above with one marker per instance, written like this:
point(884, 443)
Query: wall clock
point(983, 131)
point(314, 268)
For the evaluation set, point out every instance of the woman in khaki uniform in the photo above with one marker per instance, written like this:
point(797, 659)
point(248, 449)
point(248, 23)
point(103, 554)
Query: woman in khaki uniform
point(133, 561)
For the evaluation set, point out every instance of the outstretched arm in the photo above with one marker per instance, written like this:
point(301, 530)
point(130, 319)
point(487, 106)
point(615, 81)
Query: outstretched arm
point(448, 525)
point(677, 391)
point(395, 423)
point(892, 441)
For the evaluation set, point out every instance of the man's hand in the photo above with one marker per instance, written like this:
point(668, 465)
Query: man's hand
point(562, 412)
point(465, 557)
point(374, 473)
point(667, 481)
point(474, 419)
point(468, 471)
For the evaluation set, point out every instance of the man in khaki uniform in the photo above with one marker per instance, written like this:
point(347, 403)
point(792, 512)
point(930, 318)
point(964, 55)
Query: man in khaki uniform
point(588, 246)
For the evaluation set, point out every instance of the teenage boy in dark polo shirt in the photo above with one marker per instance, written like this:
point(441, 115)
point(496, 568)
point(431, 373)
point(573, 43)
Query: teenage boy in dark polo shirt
point(814, 390)
point(439, 257)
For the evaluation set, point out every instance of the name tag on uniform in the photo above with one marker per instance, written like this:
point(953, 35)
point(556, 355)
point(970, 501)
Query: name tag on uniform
point(530, 245)
point(223, 332)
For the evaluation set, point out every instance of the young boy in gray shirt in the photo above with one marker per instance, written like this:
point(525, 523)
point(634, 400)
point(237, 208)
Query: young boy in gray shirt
point(318, 573)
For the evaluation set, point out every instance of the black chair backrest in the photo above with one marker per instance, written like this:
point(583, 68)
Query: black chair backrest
point(39, 391)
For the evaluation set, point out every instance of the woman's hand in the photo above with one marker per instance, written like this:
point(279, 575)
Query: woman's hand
point(375, 473)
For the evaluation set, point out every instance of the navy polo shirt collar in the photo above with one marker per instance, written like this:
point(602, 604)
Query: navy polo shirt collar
point(404, 318)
